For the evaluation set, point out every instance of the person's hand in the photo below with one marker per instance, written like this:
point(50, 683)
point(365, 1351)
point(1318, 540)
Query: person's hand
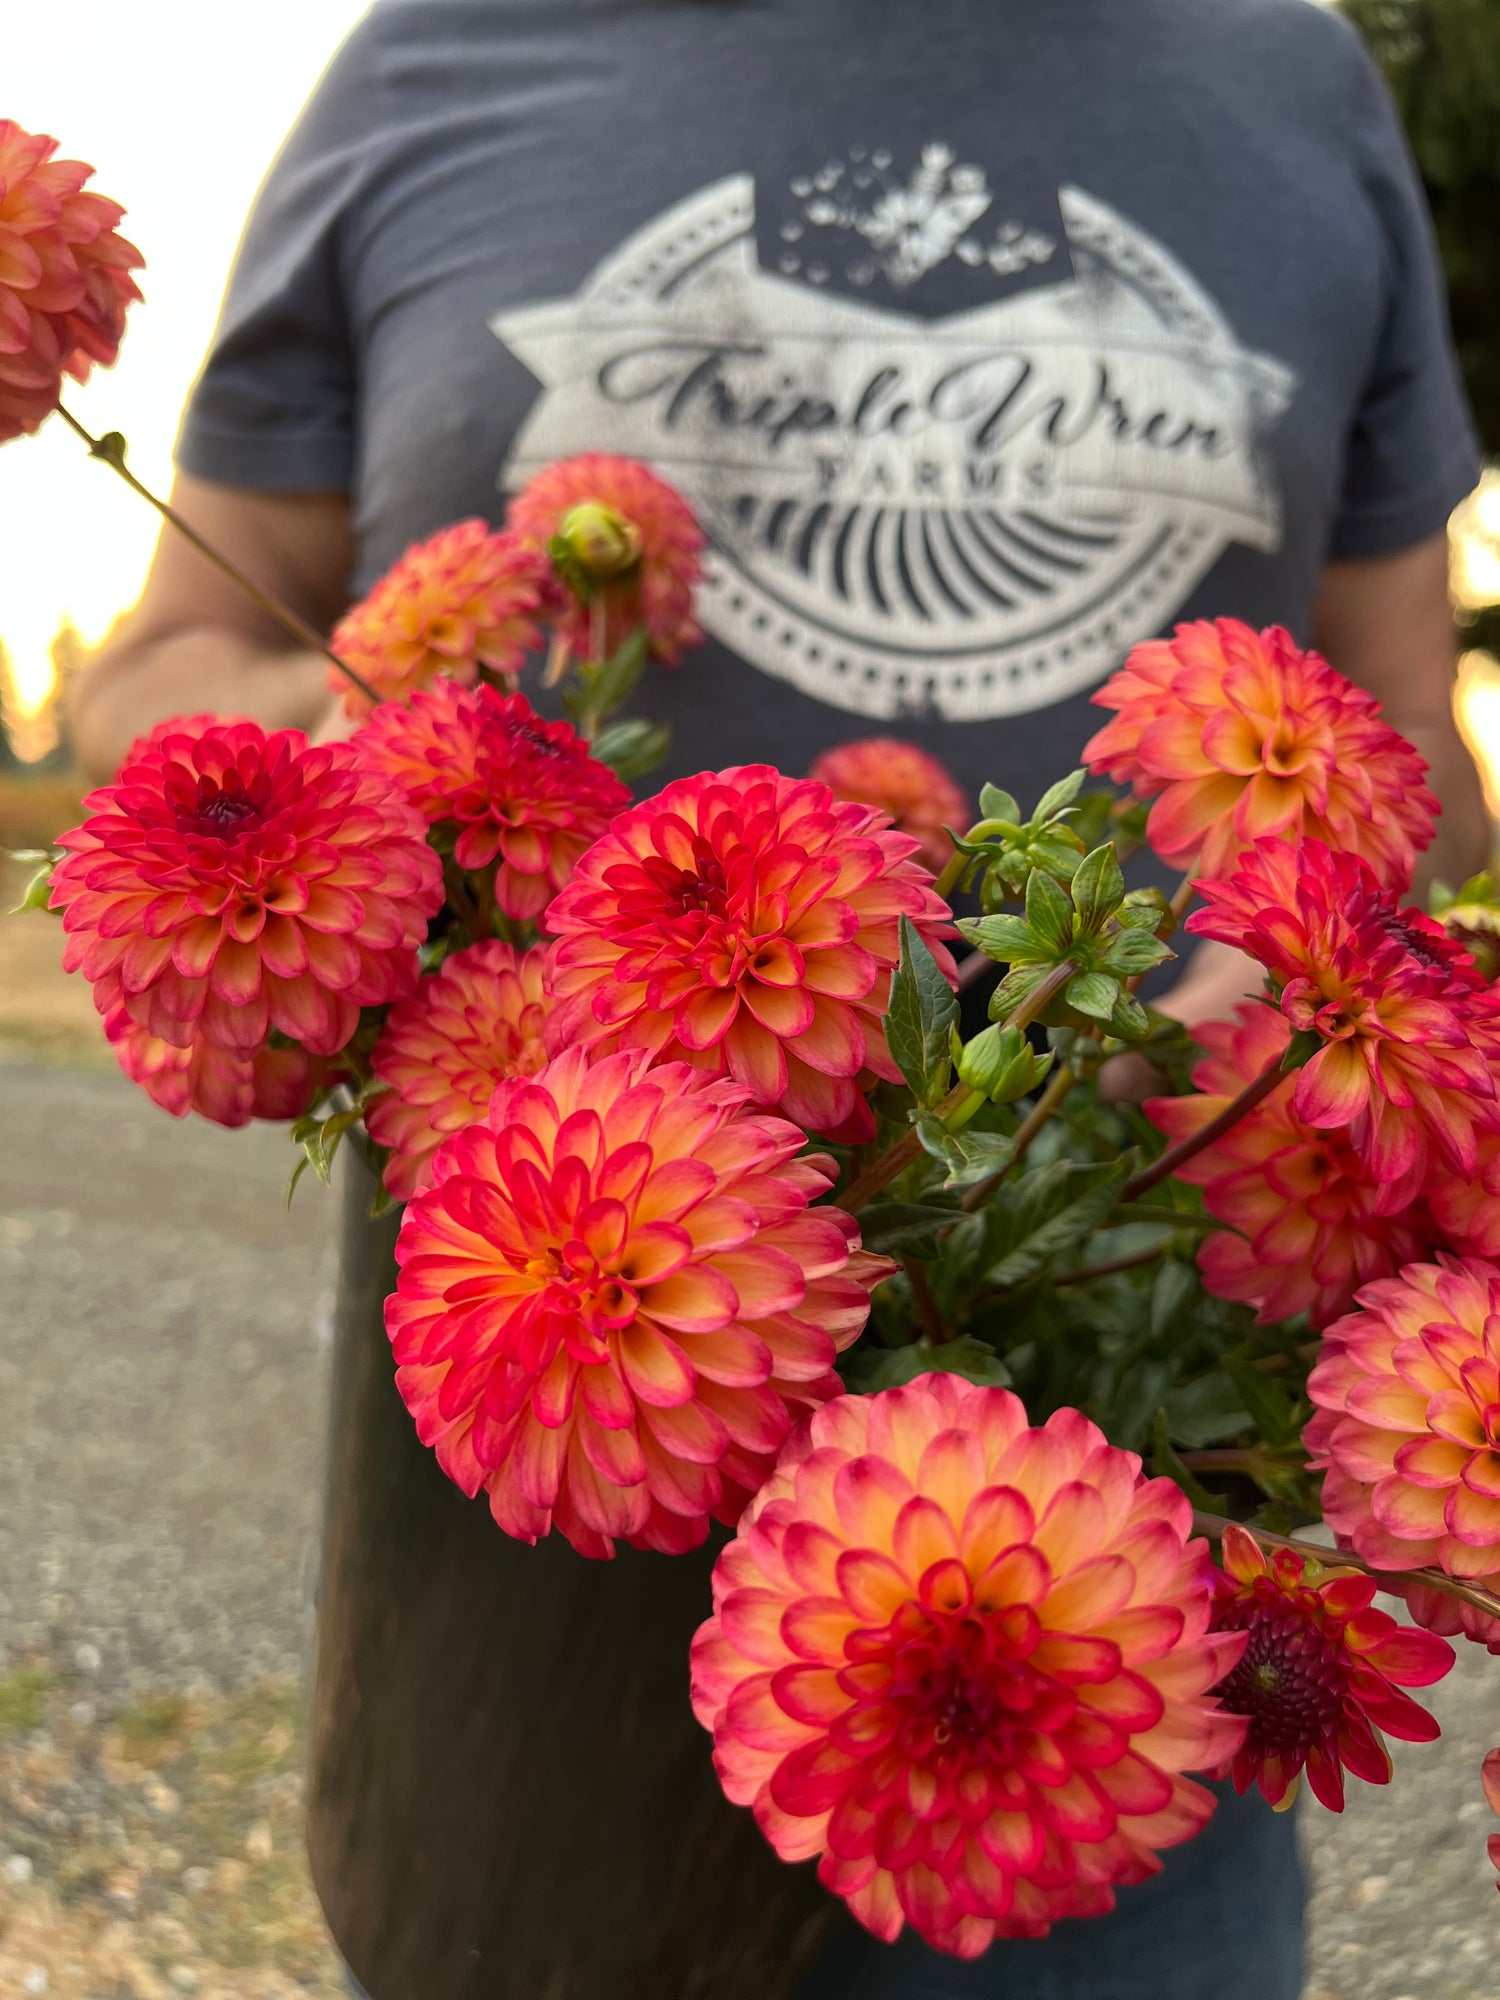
point(335, 724)
point(1216, 980)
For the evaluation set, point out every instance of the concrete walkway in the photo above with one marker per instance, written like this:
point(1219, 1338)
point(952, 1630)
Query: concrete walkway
point(161, 1384)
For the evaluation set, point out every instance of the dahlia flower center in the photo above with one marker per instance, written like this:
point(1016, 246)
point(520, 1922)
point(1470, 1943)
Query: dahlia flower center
point(962, 1686)
point(573, 1280)
point(1291, 1678)
point(221, 810)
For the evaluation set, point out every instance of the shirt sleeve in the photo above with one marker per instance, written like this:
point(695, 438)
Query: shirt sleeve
point(1412, 454)
point(273, 408)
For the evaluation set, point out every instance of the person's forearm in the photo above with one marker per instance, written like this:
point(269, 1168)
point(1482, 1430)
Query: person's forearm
point(196, 671)
point(1464, 841)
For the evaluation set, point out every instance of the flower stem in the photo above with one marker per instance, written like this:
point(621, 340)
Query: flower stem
point(1186, 1149)
point(1183, 894)
point(947, 882)
point(1062, 1082)
point(110, 450)
point(1213, 1525)
point(1131, 1261)
point(457, 892)
point(901, 1155)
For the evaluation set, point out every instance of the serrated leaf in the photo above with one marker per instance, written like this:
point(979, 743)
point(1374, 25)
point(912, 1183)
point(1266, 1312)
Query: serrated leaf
point(1015, 988)
point(1000, 938)
point(1129, 1022)
point(1094, 994)
point(909, 1228)
point(967, 1156)
point(1050, 914)
point(1057, 798)
point(1098, 889)
point(1134, 952)
point(1047, 1214)
point(920, 1017)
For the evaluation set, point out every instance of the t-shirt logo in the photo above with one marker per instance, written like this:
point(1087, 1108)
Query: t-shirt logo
point(975, 511)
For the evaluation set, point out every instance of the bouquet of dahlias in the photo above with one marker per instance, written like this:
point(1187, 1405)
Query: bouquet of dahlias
point(714, 1215)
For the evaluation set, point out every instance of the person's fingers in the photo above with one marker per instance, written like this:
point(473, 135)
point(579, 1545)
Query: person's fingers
point(1129, 1078)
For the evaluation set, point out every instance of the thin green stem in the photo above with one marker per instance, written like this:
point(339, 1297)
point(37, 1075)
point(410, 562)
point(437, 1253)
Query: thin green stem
point(1213, 1525)
point(900, 1156)
point(110, 451)
point(1131, 1261)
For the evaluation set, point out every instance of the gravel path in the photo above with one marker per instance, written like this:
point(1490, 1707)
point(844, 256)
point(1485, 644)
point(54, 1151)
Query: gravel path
point(161, 1379)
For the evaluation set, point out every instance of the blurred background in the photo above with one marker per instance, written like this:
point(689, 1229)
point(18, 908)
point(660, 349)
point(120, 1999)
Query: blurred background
point(164, 1322)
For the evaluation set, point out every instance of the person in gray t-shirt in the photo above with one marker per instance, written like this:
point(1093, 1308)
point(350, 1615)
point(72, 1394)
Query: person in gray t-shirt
point(987, 339)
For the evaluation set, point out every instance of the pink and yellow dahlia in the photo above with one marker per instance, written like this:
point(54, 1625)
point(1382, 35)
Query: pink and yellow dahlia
point(1410, 1030)
point(634, 543)
point(966, 1663)
point(1304, 1228)
point(1465, 1208)
point(921, 796)
point(1321, 1674)
point(747, 923)
point(615, 1299)
point(1240, 734)
point(231, 882)
point(274, 1083)
point(521, 794)
point(1407, 1422)
point(465, 598)
point(65, 282)
point(476, 1021)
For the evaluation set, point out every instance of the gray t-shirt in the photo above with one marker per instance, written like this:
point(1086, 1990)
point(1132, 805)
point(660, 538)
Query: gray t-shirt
point(987, 339)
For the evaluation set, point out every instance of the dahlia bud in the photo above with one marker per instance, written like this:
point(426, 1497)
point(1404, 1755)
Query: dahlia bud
point(595, 543)
point(1000, 1063)
point(1471, 917)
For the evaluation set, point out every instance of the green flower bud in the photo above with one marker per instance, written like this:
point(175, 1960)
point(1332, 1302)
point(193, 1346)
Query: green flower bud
point(1001, 1063)
point(597, 542)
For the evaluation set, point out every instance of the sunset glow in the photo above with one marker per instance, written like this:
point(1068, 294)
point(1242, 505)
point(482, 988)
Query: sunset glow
point(180, 108)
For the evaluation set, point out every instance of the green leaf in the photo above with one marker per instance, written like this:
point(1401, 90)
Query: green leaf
point(1271, 1409)
point(297, 1172)
point(995, 804)
point(1015, 989)
point(908, 1227)
point(1206, 1412)
point(1129, 1022)
point(34, 895)
point(1048, 1213)
point(608, 685)
point(1167, 1465)
point(920, 1018)
point(1173, 1287)
point(973, 1359)
point(1057, 798)
point(633, 747)
point(1301, 1048)
point(968, 1156)
point(1098, 889)
point(1050, 914)
point(1000, 938)
point(1094, 994)
point(1134, 952)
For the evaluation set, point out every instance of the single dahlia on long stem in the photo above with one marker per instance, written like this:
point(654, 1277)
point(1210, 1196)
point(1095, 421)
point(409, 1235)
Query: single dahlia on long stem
point(615, 1299)
point(1321, 1674)
point(1238, 735)
point(65, 277)
point(965, 1663)
point(746, 923)
point(1409, 1031)
point(233, 881)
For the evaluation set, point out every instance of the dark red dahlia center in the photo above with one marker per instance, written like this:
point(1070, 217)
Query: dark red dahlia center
point(1291, 1679)
point(963, 1687)
point(221, 810)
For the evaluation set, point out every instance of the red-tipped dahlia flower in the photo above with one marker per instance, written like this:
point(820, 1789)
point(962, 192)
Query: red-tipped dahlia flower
point(65, 280)
point(464, 599)
point(1407, 1421)
point(966, 1663)
point(275, 1083)
point(1241, 734)
point(614, 1299)
point(655, 547)
point(1304, 1227)
point(1321, 1674)
point(1465, 1208)
point(232, 881)
point(921, 796)
point(746, 922)
point(443, 1049)
point(1410, 1031)
point(519, 792)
